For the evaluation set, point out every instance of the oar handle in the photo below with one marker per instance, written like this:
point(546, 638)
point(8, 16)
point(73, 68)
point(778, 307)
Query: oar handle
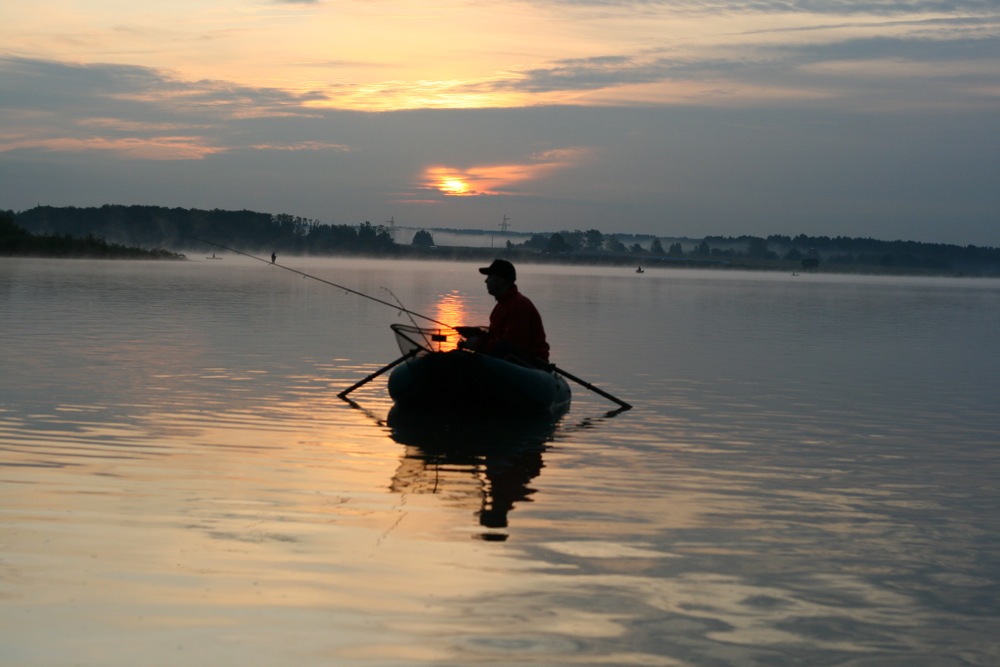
point(596, 390)
point(411, 353)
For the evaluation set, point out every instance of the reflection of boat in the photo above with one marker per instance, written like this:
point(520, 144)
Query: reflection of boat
point(481, 464)
point(463, 381)
point(467, 433)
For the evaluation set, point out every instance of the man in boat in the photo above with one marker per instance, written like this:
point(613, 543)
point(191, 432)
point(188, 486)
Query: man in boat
point(515, 325)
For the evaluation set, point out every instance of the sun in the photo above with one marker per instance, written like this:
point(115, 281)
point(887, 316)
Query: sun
point(452, 181)
point(453, 186)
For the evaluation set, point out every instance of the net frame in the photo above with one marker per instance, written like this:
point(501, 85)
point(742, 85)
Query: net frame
point(424, 340)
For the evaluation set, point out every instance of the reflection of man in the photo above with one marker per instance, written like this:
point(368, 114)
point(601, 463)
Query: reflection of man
point(515, 325)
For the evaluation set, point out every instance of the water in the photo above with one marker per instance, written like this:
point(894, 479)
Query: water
point(810, 476)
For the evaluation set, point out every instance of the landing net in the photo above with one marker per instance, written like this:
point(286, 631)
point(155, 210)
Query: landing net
point(422, 339)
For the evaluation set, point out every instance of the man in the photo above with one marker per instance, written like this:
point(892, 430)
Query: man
point(515, 325)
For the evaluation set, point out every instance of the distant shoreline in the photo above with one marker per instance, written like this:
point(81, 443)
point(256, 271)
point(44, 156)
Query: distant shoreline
point(520, 256)
point(16, 241)
point(82, 232)
point(97, 249)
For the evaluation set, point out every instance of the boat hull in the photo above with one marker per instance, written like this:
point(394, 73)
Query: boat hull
point(465, 381)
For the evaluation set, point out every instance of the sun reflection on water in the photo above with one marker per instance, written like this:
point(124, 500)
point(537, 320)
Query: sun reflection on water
point(451, 308)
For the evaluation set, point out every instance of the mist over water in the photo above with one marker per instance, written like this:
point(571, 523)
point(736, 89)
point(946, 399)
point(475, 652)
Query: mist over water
point(809, 476)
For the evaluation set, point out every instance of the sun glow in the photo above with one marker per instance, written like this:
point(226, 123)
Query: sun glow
point(500, 178)
point(454, 186)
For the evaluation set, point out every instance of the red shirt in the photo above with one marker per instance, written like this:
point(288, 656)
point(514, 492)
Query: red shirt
point(516, 321)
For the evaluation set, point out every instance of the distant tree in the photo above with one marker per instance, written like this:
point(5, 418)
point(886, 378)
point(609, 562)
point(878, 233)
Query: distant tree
point(12, 237)
point(613, 244)
point(793, 255)
point(636, 249)
point(557, 244)
point(537, 242)
point(756, 247)
point(675, 250)
point(811, 260)
point(656, 248)
point(423, 239)
point(331, 238)
point(289, 225)
point(573, 239)
point(593, 240)
point(374, 237)
point(702, 249)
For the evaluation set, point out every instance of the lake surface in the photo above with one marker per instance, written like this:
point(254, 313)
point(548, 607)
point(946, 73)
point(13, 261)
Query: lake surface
point(810, 475)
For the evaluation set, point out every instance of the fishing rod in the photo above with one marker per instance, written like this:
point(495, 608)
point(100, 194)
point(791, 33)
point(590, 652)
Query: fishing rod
point(395, 306)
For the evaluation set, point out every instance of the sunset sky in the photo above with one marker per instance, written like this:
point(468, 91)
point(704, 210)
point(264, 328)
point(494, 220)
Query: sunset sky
point(868, 118)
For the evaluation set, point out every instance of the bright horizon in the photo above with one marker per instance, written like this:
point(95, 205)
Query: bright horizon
point(676, 119)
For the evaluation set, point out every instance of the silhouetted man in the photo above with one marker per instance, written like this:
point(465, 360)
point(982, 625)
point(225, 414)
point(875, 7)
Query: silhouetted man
point(515, 325)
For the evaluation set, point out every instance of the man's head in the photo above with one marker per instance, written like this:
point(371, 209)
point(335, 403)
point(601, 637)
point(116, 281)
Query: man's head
point(500, 276)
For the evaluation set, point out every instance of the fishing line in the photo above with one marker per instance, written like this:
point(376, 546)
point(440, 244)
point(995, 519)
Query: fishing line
point(408, 314)
point(398, 307)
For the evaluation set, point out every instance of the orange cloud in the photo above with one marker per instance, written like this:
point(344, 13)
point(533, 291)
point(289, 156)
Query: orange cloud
point(498, 179)
point(160, 148)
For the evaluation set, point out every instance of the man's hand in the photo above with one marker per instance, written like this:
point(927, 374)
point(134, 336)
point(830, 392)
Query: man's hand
point(471, 332)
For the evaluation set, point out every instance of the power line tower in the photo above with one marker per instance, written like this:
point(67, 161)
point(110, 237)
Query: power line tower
point(505, 224)
point(392, 227)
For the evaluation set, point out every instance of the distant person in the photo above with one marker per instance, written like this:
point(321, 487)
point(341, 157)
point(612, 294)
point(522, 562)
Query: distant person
point(515, 325)
point(273, 257)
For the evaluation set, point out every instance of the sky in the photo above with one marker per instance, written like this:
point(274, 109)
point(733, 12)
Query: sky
point(866, 118)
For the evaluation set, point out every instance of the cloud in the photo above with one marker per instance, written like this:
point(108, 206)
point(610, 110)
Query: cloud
point(591, 73)
point(135, 112)
point(301, 146)
point(817, 7)
point(34, 83)
point(927, 50)
point(160, 148)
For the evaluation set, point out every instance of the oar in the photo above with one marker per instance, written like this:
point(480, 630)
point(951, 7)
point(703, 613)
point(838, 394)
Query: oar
point(544, 365)
point(374, 375)
point(596, 390)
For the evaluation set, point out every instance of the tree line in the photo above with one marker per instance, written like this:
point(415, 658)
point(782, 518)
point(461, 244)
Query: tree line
point(179, 228)
point(803, 250)
point(17, 241)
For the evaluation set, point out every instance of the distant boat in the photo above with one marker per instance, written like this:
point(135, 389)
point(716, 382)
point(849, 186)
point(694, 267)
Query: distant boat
point(213, 257)
point(639, 270)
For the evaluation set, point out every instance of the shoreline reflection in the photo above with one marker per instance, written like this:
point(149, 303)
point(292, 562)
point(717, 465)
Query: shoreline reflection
point(482, 464)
